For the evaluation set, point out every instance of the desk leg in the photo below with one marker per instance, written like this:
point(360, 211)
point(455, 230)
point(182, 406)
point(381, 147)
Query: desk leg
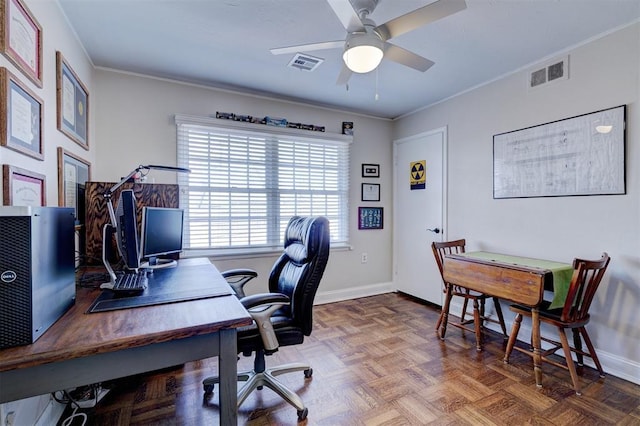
point(228, 372)
point(537, 345)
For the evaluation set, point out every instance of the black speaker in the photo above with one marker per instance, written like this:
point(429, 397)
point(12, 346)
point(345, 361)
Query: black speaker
point(37, 271)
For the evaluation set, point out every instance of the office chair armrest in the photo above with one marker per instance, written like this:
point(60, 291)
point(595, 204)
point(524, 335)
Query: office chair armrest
point(261, 307)
point(237, 278)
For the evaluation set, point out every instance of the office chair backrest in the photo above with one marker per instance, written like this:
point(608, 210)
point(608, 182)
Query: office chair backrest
point(298, 271)
point(586, 278)
point(444, 248)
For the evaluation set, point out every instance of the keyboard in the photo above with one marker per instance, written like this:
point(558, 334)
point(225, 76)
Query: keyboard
point(131, 282)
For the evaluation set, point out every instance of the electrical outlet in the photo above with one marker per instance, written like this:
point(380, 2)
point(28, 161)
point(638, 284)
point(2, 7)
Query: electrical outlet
point(364, 258)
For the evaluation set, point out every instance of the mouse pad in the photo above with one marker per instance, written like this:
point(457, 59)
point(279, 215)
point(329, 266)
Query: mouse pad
point(168, 285)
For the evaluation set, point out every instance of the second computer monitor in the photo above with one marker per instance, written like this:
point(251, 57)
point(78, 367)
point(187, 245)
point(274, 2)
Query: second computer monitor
point(161, 235)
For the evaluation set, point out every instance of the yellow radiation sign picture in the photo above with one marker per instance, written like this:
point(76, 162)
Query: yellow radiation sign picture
point(418, 174)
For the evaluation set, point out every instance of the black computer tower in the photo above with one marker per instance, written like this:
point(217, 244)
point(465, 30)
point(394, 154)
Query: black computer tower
point(37, 271)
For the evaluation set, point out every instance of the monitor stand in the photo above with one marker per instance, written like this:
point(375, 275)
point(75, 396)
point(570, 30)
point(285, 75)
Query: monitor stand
point(155, 263)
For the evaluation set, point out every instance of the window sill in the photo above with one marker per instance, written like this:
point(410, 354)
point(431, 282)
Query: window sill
point(228, 254)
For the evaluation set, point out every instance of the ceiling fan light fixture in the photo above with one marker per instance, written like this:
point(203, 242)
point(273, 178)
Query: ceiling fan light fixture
point(363, 53)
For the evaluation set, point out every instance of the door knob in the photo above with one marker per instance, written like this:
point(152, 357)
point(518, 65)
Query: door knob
point(434, 230)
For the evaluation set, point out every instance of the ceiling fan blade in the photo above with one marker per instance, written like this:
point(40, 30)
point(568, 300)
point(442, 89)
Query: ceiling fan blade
point(308, 47)
point(419, 17)
point(346, 14)
point(345, 75)
point(407, 58)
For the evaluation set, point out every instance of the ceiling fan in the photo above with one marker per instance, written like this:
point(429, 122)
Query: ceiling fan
point(367, 43)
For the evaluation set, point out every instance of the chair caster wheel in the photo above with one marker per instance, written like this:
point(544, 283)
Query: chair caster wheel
point(208, 389)
point(308, 373)
point(302, 414)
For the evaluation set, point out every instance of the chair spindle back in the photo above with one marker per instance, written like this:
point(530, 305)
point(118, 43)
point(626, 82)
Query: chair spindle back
point(586, 278)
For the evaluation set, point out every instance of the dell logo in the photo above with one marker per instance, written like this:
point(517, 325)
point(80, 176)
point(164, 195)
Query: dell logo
point(8, 276)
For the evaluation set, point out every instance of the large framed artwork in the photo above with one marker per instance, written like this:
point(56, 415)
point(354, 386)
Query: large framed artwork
point(21, 111)
point(73, 174)
point(581, 155)
point(72, 103)
point(22, 187)
point(21, 39)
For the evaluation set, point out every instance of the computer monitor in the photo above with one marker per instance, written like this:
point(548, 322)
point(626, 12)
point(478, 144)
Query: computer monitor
point(127, 229)
point(161, 235)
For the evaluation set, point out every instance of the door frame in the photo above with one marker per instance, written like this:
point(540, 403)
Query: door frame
point(445, 186)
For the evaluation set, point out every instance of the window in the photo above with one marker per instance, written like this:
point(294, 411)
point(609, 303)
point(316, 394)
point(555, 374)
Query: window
point(246, 182)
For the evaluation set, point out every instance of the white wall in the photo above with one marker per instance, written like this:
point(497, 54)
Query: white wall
point(603, 74)
point(131, 123)
point(134, 125)
point(56, 37)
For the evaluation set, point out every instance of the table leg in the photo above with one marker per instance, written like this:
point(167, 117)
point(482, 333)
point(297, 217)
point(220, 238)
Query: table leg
point(537, 344)
point(228, 373)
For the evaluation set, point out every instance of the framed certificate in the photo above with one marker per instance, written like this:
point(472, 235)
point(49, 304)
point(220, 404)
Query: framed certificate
point(72, 103)
point(22, 187)
point(370, 192)
point(21, 111)
point(73, 174)
point(21, 39)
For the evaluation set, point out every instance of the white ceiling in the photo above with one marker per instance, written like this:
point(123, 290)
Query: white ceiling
point(225, 44)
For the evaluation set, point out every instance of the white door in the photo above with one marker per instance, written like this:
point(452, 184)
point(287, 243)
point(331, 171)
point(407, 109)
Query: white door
point(419, 213)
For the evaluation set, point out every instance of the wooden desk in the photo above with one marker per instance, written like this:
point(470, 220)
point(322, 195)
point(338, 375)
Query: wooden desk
point(514, 282)
point(81, 348)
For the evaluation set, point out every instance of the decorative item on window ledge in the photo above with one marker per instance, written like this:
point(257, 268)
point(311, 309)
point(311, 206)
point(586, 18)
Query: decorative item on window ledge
point(347, 128)
point(370, 218)
point(269, 121)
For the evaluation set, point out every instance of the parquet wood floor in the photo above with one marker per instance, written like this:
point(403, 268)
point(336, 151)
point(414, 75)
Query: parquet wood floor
point(378, 361)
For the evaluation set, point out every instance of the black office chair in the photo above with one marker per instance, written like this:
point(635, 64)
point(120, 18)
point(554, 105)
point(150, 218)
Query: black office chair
point(282, 317)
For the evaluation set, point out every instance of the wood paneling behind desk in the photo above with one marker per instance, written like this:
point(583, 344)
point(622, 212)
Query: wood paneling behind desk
point(147, 194)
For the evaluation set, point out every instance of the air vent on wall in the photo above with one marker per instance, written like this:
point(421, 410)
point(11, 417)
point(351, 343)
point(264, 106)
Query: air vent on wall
point(305, 62)
point(554, 70)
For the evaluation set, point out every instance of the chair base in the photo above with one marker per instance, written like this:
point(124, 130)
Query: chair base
point(256, 380)
point(569, 364)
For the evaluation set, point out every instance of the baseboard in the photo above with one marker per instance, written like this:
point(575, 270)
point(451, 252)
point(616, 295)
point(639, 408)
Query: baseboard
point(612, 364)
point(353, 293)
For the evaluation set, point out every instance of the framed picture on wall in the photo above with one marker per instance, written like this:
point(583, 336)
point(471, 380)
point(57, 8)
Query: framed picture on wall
point(370, 192)
point(370, 218)
point(22, 111)
point(371, 170)
point(21, 39)
point(581, 155)
point(72, 103)
point(73, 174)
point(22, 187)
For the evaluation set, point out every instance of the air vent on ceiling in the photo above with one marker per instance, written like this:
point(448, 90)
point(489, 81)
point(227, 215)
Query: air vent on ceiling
point(305, 62)
point(554, 70)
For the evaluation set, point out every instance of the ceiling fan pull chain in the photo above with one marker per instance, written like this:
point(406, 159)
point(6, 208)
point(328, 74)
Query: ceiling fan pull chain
point(376, 97)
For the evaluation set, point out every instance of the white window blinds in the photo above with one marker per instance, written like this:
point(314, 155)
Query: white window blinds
point(245, 184)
